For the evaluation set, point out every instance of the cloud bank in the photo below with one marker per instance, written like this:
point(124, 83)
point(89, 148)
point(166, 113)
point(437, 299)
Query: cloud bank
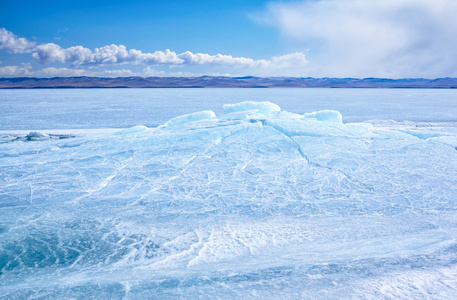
point(80, 58)
point(392, 38)
point(118, 54)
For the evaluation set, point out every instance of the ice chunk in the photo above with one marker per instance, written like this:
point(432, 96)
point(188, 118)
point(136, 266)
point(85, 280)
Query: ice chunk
point(36, 135)
point(265, 108)
point(242, 115)
point(290, 116)
point(193, 117)
point(326, 116)
point(132, 130)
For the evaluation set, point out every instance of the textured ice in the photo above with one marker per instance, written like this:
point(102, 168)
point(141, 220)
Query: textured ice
point(326, 116)
point(132, 130)
point(265, 108)
point(273, 204)
point(189, 118)
point(36, 135)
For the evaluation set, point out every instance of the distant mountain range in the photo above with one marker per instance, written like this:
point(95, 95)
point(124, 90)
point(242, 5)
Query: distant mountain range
point(223, 82)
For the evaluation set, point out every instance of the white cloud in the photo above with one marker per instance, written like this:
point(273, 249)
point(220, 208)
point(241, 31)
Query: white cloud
point(15, 44)
point(288, 61)
point(14, 71)
point(151, 72)
point(218, 59)
point(50, 52)
point(114, 54)
point(106, 55)
point(67, 72)
point(277, 62)
point(116, 73)
point(26, 70)
point(58, 72)
point(79, 57)
point(398, 38)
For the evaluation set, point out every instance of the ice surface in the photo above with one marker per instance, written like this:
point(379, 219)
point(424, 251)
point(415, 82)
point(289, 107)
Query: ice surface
point(132, 130)
point(326, 116)
point(189, 118)
point(265, 108)
point(269, 205)
point(46, 109)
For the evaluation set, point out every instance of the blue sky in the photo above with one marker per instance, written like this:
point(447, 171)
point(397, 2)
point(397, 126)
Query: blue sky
point(198, 26)
point(333, 38)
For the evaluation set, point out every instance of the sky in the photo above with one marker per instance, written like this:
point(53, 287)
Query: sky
point(304, 38)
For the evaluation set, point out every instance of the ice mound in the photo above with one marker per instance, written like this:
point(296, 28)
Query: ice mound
point(265, 108)
point(326, 116)
point(189, 118)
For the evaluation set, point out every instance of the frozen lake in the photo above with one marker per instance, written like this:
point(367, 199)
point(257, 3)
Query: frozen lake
point(121, 108)
point(240, 201)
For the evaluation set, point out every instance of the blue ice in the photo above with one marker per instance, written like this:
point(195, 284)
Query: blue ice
point(254, 203)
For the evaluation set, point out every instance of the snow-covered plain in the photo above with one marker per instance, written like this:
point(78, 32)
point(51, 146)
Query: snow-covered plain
point(252, 202)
